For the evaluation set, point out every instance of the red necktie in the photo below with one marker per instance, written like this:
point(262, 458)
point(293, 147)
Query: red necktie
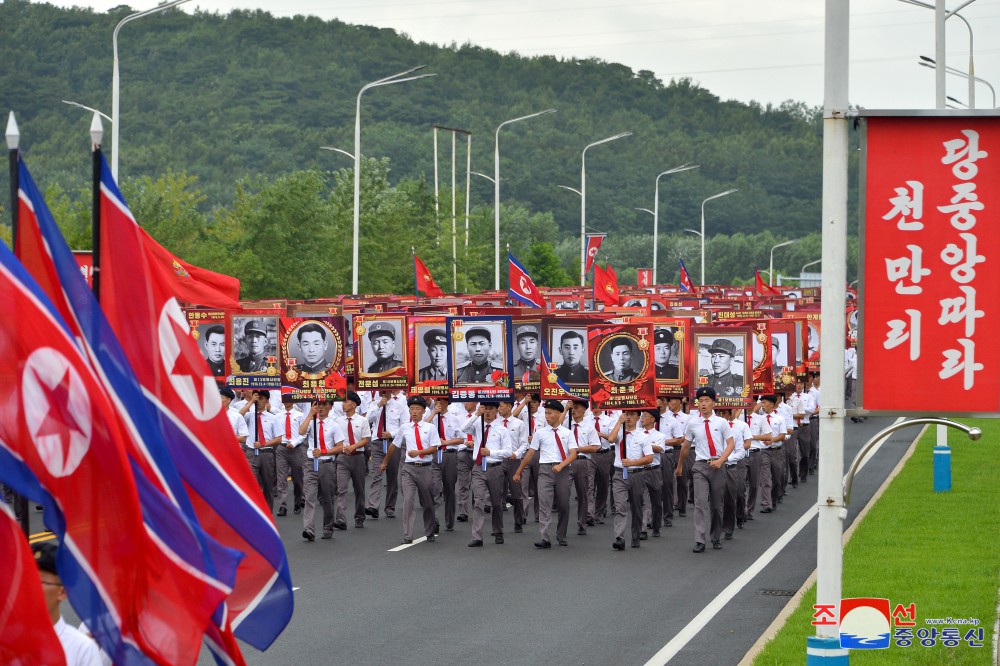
point(441, 430)
point(350, 432)
point(768, 419)
point(531, 423)
point(486, 436)
point(576, 433)
point(711, 443)
point(505, 423)
point(288, 426)
point(416, 436)
point(562, 451)
point(322, 439)
point(260, 429)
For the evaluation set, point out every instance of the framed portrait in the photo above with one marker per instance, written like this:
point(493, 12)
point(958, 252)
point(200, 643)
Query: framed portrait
point(312, 353)
point(208, 328)
point(380, 352)
point(620, 362)
point(429, 354)
point(813, 328)
point(669, 354)
point(565, 365)
point(253, 350)
point(527, 353)
point(480, 358)
point(723, 360)
point(852, 326)
point(782, 354)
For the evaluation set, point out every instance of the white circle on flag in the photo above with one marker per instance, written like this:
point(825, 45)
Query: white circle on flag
point(57, 410)
point(194, 384)
point(592, 252)
point(525, 289)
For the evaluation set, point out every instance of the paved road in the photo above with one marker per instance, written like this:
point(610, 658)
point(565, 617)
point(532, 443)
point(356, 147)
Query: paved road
point(441, 603)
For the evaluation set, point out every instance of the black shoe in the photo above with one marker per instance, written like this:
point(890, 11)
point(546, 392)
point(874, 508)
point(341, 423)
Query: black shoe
point(668, 523)
point(487, 509)
point(563, 542)
point(340, 526)
point(765, 511)
point(781, 499)
point(372, 512)
point(635, 543)
point(729, 536)
point(740, 524)
point(619, 544)
point(543, 544)
point(431, 538)
point(590, 522)
point(327, 535)
point(308, 536)
point(649, 526)
point(282, 511)
point(359, 524)
point(449, 529)
point(390, 514)
point(518, 529)
point(690, 500)
point(581, 532)
point(536, 519)
point(716, 545)
point(298, 509)
point(407, 541)
point(463, 518)
point(749, 517)
point(478, 543)
point(437, 527)
point(498, 538)
point(698, 548)
point(682, 514)
point(656, 533)
point(795, 484)
point(600, 521)
point(643, 536)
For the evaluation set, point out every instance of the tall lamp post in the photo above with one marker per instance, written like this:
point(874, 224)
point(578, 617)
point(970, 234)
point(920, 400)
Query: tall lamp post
point(972, 65)
point(389, 80)
point(770, 265)
point(656, 209)
point(496, 191)
point(702, 234)
point(115, 79)
point(926, 61)
point(583, 202)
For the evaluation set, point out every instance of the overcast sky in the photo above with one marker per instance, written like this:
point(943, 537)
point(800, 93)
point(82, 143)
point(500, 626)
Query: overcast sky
point(764, 50)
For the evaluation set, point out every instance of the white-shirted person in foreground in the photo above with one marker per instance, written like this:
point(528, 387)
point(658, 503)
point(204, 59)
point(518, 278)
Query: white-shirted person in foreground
point(80, 649)
point(418, 443)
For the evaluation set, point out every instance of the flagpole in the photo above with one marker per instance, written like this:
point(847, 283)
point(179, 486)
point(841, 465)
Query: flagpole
point(416, 278)
point(96, 133)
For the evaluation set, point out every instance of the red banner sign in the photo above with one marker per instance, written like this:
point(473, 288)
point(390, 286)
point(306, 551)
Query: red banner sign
point(931, 277)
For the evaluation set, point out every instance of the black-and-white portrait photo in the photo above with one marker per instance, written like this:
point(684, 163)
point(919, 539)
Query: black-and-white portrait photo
point(212, 341)
point(479, 352)
point(812, 348)
point(381, 348)
point(567, 305)
point(568, 349)
point(432, 352)
point(636, 303)
point(527, 351)
point(255, 340)
point(313, 347)
point(722, 359)
point(619, 359)
point(667, 353)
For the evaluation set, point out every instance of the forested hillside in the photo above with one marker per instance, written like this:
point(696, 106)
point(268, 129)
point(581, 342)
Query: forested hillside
point(220, 109)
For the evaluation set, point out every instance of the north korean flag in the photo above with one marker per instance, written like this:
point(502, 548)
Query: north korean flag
point(522, 289)
point(62, 445)
point(686, 283)
point(145, 315)
point(594, 242)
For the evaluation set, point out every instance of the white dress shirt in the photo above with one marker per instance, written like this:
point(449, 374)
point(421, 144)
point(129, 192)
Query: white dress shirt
point(359, 426)
point(332, 435)
point(634, 447)
point(758, 426)
point(655, 438)
point(545, 443)
point(741, 433)
point(79, 648)
point(695, 433)
point(289, 421)
point(395, 416)
point(497, 439)
point(236, 421)
point(605, 424)
point(406, 440)
point(269, 427)
point(584, 435)
point(518, 434)
point(777, 426)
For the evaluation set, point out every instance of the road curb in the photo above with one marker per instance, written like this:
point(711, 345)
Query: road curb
point(782, 617)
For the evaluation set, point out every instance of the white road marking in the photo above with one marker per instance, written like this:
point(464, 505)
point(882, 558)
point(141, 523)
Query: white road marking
point(407, 545)
point(294, 589)
point(694, 627)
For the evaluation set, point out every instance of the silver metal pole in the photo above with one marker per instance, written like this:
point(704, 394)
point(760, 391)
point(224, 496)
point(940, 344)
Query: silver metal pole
point(437, 190)
point(454, 232)
point(468, 185)
point(940, 14)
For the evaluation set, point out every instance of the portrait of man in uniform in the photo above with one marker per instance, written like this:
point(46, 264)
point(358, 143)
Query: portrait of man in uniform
point(570, 351)
point(480, 366)
point(213, 348)
point(526, 353)
point(721, 353)
point(666, 355)
point(436, 347)
point(312, 357)
point(382, 342)
point(255, 336)
point(779, 351)
point(616, 358)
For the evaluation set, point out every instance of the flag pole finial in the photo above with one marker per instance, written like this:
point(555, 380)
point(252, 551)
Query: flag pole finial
point(96, 130)
point(13, 134)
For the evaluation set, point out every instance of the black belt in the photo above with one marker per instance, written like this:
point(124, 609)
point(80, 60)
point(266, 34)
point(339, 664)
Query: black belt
point(632, 470)
point(579, 457)
point(604, 451)
point(729, 464)
point(418, 464)
point(326, 460)
point(450, 451)
point(494, 464)
point(264, 449)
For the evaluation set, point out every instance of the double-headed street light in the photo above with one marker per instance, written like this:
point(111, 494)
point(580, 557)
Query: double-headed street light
point(770, 265)
point(656, 209)
point(930, 63)
point(948, 13)
point(389, 80)
point(496, 191)
point(702, 234)
point(583, 202)
point(115, 79)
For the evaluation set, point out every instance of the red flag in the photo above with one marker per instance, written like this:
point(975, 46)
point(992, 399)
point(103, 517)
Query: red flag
point(606, 285)
point(188, 283)
point(645, 276)
point(686, 283)
point(593, 245)
point(762, 288)
point(425, 283)
point(520, 285)
point(26, 633)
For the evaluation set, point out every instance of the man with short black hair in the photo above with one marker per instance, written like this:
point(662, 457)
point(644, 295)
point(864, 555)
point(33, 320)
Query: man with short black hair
point(491, 446)
point(289, 454)
point(416, 441)
point(350, 464)
point(312, 349)
point(437, 352)
point(214, 342)
point(572, 348)
point(264, 435)
point(80, 649)
point(382, 338)
point(256, 339)
point(621, 371)
point(324, 440)
point(480, 368)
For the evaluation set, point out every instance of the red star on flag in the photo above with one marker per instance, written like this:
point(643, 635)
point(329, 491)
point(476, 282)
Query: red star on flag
point(59, 421)
point(182, 369)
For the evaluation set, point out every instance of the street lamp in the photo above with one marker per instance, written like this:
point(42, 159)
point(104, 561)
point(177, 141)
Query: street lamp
point(115, 80)
point(811, 263)
point(702, 234)
point(571, 189)
point(87, 108)
point(338, 150)
point(972, 67)
point(770, 265)
point(496, 191)
point(583, 202)
point(930, 63)
point(482, 175)
point(389, 80)
point(656, 209)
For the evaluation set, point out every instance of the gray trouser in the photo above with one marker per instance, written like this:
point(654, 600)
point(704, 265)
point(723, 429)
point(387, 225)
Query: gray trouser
point(804, 438)
point(350, 472)
point(791, 449)
point(709, 488)
point(628, 503)
point(321, 484)
point(652, 498)
point(814, 450)
point(770, 477)
point(464, 481)
point(487, 488)
point(262, 463)
point(684, 485)
point(553, 488)
point(416, 483)
point(510, 466)
point(583, 468)
point(668, 465)
point(391, 478)
point(528, 479)
point(289, 461)
point(599, 484)
point(734, 509)
point(754, 483)
point(533, 483)
point(449, 477)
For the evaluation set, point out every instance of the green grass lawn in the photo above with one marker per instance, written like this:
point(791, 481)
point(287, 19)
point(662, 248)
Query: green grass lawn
point(939, 551)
